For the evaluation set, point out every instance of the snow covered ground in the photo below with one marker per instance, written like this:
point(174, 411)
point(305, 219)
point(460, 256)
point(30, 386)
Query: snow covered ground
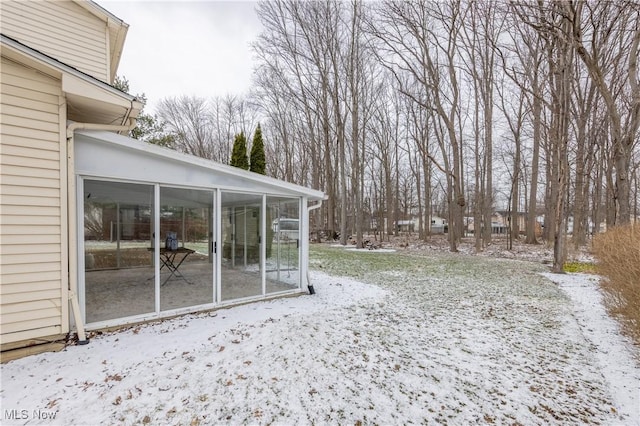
point(443, 339)
point(602, 333)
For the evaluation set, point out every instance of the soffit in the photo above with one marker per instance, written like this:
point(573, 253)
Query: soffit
point(88, 103)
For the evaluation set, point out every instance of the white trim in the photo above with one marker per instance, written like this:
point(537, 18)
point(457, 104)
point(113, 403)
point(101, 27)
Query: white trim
point(304, 242)
point(218, 246)
point(149, 316)
point(80, 265)
point(107, 51)
point(257, 298)
point(212, 239)
point(100, 12)
point(305, 224)
point(244, 235)
point(75, 85)
point(197, 309)
point(263, 244)
point(156, 246)
point(174, 156)
point(66, 210)
point(224, 188)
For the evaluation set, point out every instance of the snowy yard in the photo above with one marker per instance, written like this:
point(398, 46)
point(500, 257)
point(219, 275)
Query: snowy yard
point(389, 338)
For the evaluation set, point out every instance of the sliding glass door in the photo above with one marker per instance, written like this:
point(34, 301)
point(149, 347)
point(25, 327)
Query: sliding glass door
point(119, 249)
point(255, 243)
point(118, 263)
point(283, 244)
point(241, 238)
point(186, 241)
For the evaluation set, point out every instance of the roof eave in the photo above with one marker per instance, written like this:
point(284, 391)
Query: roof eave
point(60, 66)
point(173, 155)
point(118, 47)
point(74, 82)
point(98, 11)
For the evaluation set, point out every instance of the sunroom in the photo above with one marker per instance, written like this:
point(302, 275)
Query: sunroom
point(162, 233)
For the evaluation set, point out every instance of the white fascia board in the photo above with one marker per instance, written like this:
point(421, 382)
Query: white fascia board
point(117, 45)
point(99, 11)
point(175, 156)
point(117, 30)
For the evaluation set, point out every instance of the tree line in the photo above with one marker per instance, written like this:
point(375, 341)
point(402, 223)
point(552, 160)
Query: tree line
point(401, 109)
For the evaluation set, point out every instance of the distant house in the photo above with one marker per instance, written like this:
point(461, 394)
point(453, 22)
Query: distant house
point(438, 225)
point(500, 222)
point(503, 217)
point(405, 226)
point(100, 230)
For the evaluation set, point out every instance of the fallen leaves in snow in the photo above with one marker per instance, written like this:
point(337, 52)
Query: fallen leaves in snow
point(457, 343)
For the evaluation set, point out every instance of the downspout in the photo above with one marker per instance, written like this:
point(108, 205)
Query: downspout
point(72, 209)
point(309, 285)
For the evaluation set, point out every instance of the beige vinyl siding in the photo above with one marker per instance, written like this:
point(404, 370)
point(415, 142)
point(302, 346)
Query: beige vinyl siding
point(32, 252)
point(62, 30)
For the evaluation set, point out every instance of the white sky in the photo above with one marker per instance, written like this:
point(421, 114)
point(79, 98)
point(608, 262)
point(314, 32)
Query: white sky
point(178, 48)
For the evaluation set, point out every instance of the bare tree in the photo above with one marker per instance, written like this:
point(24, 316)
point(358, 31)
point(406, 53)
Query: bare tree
point(514, 111)
point(188, 119)
point(582, 104)
point(606, 36)
point(523, 62)
point(390, 108)
point(479, 36)
point(295, 47)
point(420, 40)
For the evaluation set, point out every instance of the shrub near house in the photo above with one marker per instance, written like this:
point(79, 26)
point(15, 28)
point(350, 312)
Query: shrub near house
point(618, 255)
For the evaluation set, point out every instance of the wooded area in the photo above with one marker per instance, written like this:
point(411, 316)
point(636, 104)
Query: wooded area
point(452, 108)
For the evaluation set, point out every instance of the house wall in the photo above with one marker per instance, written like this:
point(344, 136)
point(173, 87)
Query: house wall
point(60, 29)
point(33, 252)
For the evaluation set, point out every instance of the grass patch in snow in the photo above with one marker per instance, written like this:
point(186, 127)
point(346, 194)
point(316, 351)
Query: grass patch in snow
point(354, 263)
point(580, 267)
point(436, 265)
point(452, 339)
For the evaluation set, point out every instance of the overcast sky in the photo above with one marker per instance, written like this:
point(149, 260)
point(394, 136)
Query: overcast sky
point(178, 47)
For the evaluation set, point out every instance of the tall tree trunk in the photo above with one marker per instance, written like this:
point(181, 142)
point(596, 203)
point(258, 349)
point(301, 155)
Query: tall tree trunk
point(478, 223)
point(515, 191)
point(354, 74)
point(532, 221)
point(426, 165)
